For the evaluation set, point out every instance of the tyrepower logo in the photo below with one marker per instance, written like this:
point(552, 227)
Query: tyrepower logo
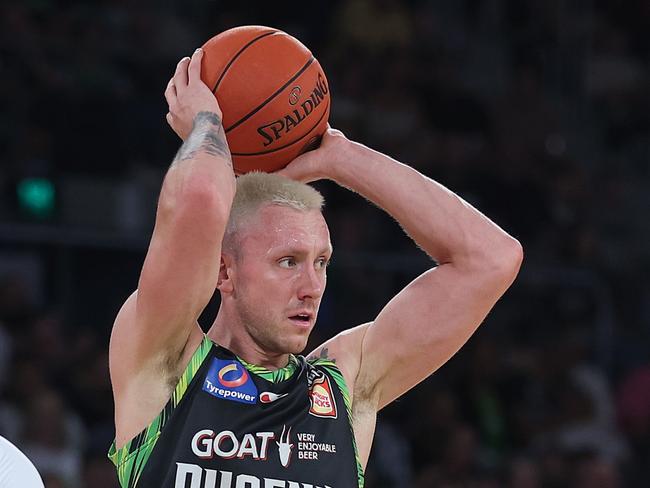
point(229, 380)
point(323, 403)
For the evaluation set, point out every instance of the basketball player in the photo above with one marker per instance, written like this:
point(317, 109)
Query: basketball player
point(238, 407)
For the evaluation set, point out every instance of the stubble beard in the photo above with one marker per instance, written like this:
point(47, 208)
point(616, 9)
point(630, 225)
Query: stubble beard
point(268, 332)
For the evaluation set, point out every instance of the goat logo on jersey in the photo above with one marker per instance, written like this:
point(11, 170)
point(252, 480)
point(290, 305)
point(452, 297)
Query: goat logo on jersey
point(285, 447)
point(226, 444)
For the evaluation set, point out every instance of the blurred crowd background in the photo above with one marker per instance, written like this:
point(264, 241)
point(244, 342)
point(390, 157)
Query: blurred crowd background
point(537, 112)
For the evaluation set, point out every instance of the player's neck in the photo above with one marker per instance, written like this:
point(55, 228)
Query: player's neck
point(229, 333)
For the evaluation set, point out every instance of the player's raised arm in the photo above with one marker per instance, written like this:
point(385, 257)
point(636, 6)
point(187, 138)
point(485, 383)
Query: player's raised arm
point(182, 263)
point(428, 321)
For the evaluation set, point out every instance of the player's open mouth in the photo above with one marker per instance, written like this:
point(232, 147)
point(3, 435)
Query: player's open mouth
point(303, 319)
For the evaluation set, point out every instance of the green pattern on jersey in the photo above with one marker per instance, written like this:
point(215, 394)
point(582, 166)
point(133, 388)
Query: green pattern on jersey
point(131, 458)
point(273, 376)
point(334, 371)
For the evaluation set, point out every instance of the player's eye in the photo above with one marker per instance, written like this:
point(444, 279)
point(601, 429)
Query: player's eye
point(287, 262)
point(322, 263)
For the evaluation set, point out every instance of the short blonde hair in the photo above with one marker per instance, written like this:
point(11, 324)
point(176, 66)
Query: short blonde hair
point(257, 189)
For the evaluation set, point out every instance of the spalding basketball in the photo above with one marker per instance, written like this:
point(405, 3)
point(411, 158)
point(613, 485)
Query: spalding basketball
point(273, 93)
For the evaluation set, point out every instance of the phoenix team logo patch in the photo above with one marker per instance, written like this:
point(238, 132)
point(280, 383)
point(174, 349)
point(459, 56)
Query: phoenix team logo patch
point(229, 380)
point(323, 403)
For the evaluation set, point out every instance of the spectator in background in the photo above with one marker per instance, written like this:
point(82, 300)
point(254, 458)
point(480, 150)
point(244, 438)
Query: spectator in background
point(524, 473)
point(585, 419)
point(391, 458)
point(53, 438)
point(633, 402)
point(595, 471)
point(459, 464)
point(97, 473)
point(374, 25)
point(5, 354)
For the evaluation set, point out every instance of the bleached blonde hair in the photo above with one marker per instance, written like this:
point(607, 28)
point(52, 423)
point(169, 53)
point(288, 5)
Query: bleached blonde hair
point(257, 189)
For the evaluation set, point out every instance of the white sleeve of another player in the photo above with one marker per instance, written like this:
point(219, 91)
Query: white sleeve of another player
point(15, 469)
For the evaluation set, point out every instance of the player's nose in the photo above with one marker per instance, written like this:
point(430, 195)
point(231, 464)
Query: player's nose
point(312, 284)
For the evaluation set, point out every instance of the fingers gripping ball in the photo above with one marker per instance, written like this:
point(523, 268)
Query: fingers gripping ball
point(273, 93)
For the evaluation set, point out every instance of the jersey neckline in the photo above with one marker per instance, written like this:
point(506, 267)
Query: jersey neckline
point(276, 376)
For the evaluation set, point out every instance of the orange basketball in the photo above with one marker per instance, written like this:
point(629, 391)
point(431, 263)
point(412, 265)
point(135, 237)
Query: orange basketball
point(273, 93)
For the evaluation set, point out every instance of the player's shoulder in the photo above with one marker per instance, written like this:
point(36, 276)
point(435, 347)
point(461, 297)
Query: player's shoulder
point(319, 358)
point(341, 353)
point(343, 347)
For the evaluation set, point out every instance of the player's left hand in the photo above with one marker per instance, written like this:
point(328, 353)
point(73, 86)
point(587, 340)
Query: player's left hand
point(320, 163)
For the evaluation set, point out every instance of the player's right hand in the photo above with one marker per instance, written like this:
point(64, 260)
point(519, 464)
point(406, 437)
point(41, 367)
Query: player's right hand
point(187, 95)
point(321, 163)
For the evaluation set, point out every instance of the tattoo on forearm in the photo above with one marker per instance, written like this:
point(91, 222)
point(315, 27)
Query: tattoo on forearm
point(207, 136)
point(323, 354)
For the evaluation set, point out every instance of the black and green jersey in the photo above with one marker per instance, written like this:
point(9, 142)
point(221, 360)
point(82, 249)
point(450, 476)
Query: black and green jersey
point(230, 424)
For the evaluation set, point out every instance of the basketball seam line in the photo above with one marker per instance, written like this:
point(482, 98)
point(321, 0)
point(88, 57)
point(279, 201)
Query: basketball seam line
point(286, 145)
point(255, 110)
point(223, 73)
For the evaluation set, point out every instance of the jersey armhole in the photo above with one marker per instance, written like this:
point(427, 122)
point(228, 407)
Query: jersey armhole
point(131, 458)
point(333, 370)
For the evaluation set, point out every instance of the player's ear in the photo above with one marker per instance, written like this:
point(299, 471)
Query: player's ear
point(225, 282)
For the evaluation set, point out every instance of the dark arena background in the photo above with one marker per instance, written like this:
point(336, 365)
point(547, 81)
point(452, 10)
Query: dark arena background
point(535, 111)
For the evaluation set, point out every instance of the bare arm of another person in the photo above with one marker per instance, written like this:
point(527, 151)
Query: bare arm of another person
point(430, 319)
point(181, 267)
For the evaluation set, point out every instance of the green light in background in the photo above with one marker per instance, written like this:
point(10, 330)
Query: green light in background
point(36, 196)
